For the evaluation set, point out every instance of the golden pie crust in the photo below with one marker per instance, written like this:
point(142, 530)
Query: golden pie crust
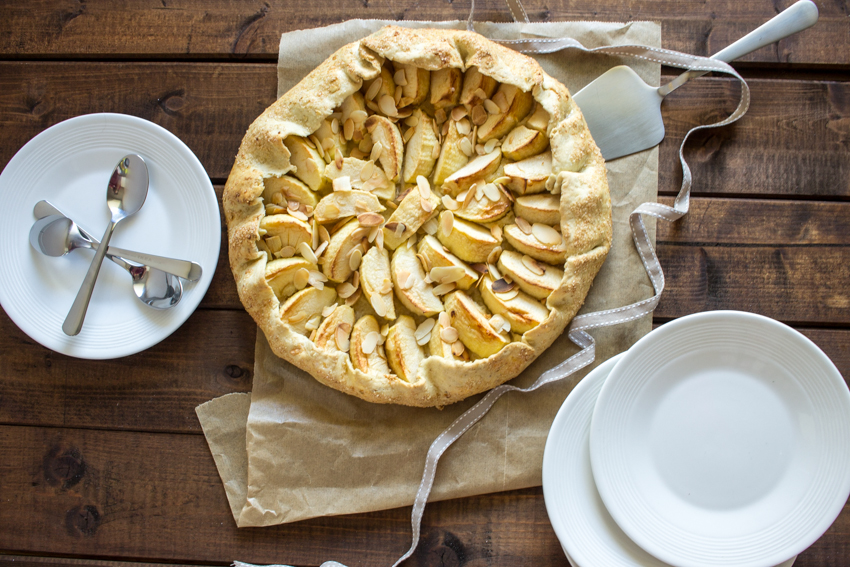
point(381, 348)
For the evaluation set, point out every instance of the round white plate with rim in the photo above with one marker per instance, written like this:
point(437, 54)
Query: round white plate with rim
point(585, 529)
point(723, 438)
point(588, 534)
point(69, 164)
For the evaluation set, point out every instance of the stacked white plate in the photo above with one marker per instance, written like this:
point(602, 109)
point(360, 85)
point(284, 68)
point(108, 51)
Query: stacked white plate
point(721, 438)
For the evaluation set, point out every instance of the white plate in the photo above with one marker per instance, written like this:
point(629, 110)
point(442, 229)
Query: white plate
point(586, 531)
point(69, 164)
point(588, 534)
point(723, 438)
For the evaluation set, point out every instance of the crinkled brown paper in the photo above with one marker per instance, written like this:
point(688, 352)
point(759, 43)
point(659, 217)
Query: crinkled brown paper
point(295, 449)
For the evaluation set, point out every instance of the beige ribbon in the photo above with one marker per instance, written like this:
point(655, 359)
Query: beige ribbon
point(577, 331)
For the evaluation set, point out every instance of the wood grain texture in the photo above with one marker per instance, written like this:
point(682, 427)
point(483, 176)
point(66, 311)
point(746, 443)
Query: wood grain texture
point(83, 493)
point(137, 495)
point(212, 354)
point(221, 29)
point(793, 142)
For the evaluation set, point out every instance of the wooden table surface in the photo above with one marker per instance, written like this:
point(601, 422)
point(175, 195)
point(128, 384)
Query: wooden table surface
point(105, 461)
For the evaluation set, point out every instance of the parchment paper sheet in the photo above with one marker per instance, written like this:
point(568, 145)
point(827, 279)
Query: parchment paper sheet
point(307, 450)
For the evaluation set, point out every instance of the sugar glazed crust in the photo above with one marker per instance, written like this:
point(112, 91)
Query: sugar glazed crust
point(320, 291)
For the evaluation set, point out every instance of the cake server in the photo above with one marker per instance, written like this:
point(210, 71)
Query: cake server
point(624, 113)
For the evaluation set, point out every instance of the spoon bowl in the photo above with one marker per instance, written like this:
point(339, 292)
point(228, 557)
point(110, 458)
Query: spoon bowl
point(125, 195)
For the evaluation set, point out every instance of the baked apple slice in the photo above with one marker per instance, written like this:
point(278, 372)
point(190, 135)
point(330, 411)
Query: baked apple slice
point(410, 286)
point(445, 87)
point(523, 143)
point(522, 311)
point(474, 171)
point(535, 278)
point(529, 175)
point(309, 165)
point(367, 354)
point(337, 263)
point(542, 242)
point(473, 326)
point(419, 205)
point(404, 355)
point(477, 87)
point(346, 203)
point(391, 154)
point(281, 275)
point(299, 309)
point(438, 257)
point(334, 333)
point(514, 104)
point(290, 189)
point(468, 241)
point(542, 208)
point(419, 155)
point(376, 281)
point(451, 157)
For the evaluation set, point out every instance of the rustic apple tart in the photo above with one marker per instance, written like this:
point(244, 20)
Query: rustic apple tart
point(419, 218)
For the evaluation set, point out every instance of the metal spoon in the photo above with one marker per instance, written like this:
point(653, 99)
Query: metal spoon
point(56, 235)
point(187, 270)
point(125, 195)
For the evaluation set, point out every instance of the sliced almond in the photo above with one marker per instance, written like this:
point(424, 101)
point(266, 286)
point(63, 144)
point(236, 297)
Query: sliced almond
point(479, 115)
point(491, 107)
point(444, 288)
point(370, 219)
point(533, 265)
point(446, 222)
point(423, 331)
point(458, 348)
point(374, 88)
point(458, 113)
point(492, 192)
point(354, 258)
point(387, 105)
point(379, 305)
point(523, 225)
point(370, 342)
point(301, 277)
point(377, 150)
point(546, 234)
point(345, 290)
point(503, 286)
point(449, 334)
point(341, 336)
point(304, 249)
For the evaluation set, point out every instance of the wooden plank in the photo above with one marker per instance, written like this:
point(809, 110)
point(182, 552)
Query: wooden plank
point(212, 354)
point(793, 141)
point(136, 495)
point(759, 222)
point(795, 285)
point(220, 29)
point(209, 106)
point(158, 497)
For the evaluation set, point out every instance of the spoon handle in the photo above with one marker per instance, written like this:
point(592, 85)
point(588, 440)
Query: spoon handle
point(74, 321)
